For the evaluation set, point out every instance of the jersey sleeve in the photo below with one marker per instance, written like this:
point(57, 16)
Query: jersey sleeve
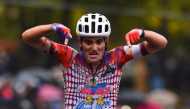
point(64, 53)
point(121, 54)
point(138, 50)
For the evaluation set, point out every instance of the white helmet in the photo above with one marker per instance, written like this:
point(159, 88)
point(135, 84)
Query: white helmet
point(93, 25)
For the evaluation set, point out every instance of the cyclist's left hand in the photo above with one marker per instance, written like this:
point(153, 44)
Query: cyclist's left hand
point(61, 30)
point(134, 36)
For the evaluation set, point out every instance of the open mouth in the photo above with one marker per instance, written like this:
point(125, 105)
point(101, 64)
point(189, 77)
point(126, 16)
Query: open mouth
point(93, 55)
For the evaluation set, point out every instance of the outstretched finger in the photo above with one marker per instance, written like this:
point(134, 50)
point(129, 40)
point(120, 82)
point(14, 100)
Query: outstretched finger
point(66, 41)
point(69, 35)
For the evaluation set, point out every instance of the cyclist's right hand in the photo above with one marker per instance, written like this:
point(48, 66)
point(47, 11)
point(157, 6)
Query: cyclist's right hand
point(62, 31)
point(134, 36)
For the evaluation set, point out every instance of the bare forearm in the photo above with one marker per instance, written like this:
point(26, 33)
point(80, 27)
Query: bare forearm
point(36, 32)
point(154, 41)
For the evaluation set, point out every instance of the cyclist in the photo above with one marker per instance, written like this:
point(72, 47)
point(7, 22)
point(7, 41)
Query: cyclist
point(92, 74)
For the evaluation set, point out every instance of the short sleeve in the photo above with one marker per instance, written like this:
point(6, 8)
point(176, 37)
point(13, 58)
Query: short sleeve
point(64, 53)
point(119, 56)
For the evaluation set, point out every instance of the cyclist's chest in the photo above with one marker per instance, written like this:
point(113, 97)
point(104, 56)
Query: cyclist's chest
point(79, 76)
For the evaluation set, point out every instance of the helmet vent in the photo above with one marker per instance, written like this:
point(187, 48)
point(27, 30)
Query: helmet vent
point(86, 28)
point(99, 28)
point(93, 16)
point(100, 19)
point(93, 27)
point(86, 19)
point(106, 28)
point(80, 27)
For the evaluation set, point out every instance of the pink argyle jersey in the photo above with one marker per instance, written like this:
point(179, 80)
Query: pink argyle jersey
point(84, 89)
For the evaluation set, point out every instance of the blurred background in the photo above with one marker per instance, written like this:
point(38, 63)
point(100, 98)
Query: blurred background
point(30, 79)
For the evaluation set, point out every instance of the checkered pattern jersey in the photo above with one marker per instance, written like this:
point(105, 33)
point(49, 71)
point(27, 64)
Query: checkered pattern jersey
point(77, 73)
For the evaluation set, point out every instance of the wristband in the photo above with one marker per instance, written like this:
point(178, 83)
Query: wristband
point(142, 34)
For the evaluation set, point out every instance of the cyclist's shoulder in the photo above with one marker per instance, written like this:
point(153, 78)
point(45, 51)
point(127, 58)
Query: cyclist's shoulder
point(116, 49)
point(61, 47)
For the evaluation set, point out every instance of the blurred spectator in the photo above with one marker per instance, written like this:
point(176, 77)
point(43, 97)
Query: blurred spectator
point(125, 107)
point(149, 105)
point(7, 59)
point(132, 97)
point(29, 87)
point(7, 96)
point(57, 75)
point(4, 58)
point(49, 97)
point(25, 85)
point(24, 82)
point(165, 98)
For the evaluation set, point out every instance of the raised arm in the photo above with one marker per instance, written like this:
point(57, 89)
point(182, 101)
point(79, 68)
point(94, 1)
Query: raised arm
point(152, 41)
point(36, 36)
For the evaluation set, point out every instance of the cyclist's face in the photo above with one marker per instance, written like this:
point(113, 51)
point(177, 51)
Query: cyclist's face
point(93, 49)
